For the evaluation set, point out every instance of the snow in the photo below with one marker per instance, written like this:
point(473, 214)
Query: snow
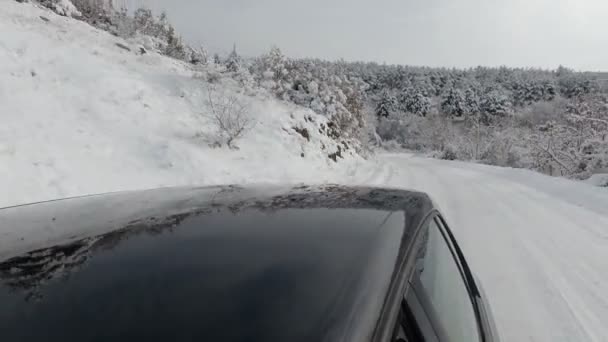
point(538, 244)
point(79, 115)
point(599, 179)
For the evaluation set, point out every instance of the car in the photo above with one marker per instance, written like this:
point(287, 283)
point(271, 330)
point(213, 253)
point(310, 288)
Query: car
point(233, 263)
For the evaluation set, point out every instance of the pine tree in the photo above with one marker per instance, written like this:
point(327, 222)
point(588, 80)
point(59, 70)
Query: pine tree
point(471, 101)
point(454, 103)
point(276, 63)
point(415, 101)
point(216, 59)
point(495, 104)
point(144, 21)
point(233, 62)
point(174, 47)
point(386, 106)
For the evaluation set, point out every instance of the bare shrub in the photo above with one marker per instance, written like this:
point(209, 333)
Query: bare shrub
point(230, 115)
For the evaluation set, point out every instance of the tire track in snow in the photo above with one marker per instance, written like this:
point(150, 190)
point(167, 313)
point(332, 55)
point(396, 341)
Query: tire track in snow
point(559, 300)
point(524, 204)
point(568, 259)
point(381, 175)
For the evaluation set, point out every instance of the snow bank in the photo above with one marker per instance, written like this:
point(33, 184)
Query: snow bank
point(81, 115)
point(600, 179)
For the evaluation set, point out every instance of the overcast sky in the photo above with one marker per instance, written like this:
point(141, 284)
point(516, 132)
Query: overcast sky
point(461, 33)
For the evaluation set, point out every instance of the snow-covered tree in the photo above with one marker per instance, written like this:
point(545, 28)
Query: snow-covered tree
point(386, 105)
point(471, 100)
point(415, 101)
point(271, 72)
point(230, 114)
point(577, 145)
point(454, 103)
point(216, 59)
point(145, 22)
point(573, 84)
point(175, 48)
point(233, 62)
point(199, 56)
point(495, 104)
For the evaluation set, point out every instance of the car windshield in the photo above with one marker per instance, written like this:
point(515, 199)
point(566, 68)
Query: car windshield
point(295, 275)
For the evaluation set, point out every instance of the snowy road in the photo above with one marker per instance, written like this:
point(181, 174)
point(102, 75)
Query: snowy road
point(538, 244)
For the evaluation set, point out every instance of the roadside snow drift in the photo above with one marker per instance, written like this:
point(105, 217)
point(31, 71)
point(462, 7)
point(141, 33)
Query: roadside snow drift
point(600, 179)
point(80, 115)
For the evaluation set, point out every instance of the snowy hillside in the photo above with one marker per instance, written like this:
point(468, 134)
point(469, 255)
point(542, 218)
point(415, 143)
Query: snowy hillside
point(80, 114)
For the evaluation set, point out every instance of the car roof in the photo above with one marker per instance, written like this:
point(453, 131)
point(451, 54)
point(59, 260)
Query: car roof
point(228, 263)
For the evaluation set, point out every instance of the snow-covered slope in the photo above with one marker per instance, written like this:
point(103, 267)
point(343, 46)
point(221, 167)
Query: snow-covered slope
point(80, 115)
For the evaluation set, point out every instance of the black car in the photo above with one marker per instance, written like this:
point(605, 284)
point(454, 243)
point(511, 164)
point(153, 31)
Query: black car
point(321, 263)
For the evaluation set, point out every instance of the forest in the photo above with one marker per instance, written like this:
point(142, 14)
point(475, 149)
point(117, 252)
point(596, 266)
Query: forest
point(551, 121)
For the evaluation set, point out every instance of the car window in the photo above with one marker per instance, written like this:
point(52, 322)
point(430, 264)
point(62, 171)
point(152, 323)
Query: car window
point(439, 286)
point(443, 232)
point(413, 324)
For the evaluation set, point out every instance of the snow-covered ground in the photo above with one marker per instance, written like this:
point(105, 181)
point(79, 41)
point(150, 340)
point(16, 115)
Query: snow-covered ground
point(600, 179)
point(538, 244)
point(80, 115)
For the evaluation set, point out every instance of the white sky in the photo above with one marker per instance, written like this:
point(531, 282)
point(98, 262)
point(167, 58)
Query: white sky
point(461, 33)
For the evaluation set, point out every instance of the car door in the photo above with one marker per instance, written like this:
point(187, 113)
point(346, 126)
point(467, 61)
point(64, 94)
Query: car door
point(438, 305)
